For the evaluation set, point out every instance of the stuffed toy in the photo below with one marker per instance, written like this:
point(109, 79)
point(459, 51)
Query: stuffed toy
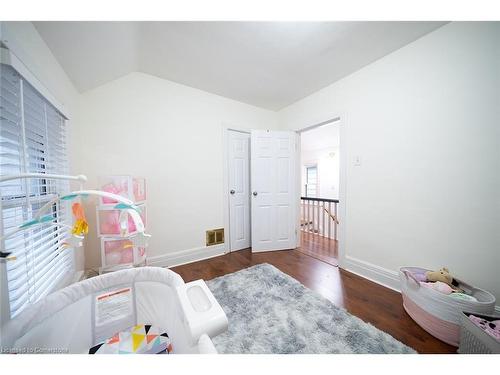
point(439, 286)
point(442, 275)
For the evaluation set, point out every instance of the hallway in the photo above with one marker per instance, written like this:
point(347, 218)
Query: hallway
point(319, 247)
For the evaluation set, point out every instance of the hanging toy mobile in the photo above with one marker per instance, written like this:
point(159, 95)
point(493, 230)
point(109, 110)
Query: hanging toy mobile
point(80, 227)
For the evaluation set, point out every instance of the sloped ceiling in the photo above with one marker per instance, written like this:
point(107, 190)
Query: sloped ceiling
point(266, 64)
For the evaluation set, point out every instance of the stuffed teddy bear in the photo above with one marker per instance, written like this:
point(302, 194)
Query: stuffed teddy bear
point(444, 276)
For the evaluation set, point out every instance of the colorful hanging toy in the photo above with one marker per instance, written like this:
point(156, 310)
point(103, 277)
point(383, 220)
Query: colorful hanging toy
point(80, 227)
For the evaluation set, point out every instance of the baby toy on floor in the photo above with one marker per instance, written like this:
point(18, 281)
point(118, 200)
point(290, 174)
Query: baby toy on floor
point(443, 282)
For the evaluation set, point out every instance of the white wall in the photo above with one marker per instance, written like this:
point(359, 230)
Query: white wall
point(425, 122)
point(24, 41)
point(327, 163)
point(170, 134)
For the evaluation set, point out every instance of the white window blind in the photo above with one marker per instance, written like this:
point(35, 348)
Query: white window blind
point(32, 139)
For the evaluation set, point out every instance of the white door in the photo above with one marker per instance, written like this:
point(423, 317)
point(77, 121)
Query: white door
point(239, 189)
point(273, 190)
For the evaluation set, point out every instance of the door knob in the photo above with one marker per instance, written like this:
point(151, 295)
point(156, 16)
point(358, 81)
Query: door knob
point(254, 193)
point(232, 191)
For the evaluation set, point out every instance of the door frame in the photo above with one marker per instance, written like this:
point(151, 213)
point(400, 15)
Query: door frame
point(341, 212)
point(225, 180)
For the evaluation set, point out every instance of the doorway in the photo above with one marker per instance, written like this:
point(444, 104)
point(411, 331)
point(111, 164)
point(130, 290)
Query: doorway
point(283, 190)
point(260, 190)
point(320, 187)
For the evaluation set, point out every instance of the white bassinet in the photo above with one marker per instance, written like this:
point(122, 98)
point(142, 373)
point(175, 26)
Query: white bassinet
point(81, 315)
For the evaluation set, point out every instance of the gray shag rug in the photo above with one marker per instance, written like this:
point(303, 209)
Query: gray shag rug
point(271, 312)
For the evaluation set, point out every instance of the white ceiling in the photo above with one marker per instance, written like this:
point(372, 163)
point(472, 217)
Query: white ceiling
point(266, 64)
point(326, 136)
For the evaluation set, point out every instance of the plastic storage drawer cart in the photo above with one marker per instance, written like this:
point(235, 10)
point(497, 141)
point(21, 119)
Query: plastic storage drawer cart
point(120, 252)
point(117, 249)
point(108, 221)
point(473, 340)
point(133, 188)
point(438, 313)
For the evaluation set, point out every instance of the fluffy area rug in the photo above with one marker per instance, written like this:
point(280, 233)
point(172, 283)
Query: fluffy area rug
point(271, 312)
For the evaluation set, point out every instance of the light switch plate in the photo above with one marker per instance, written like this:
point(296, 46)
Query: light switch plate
point(356, 161)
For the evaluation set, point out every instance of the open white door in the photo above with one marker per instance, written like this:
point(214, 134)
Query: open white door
point(273, 183)
point(239, 189)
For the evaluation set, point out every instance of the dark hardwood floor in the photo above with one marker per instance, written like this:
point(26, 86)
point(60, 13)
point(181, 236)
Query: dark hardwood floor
point(373, 303)
point(319, 247)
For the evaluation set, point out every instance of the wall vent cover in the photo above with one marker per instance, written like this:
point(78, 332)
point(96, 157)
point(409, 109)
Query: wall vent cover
point(215, 236)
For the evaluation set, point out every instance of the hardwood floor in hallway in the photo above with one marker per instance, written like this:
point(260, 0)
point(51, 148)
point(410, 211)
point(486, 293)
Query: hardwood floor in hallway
point(373, 303)
point(319, 247)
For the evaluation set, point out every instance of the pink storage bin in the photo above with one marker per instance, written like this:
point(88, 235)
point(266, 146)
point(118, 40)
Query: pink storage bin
point(108, 220)
point(133, 188)
point(121, 252)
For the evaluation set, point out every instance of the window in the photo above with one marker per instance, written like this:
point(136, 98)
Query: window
point(312, 181)
point(32, 139)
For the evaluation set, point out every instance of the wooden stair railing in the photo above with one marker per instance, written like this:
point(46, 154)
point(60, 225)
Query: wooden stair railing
point(317, 216)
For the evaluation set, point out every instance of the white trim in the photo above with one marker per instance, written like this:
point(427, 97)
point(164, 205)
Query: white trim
point(372, 272)
point(186, 256)
point(225, 189)
point(322, 123)
point(298, 187)
point(342, 210)
point(7, 57)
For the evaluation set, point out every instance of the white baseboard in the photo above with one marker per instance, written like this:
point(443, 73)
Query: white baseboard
point(372, 272)
point(186, 256)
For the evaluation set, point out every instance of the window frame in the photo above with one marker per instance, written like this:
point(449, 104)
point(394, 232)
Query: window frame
point(316, 183)
point(33, 193)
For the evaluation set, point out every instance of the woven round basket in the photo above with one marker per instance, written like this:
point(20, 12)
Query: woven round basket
point(436, 312)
